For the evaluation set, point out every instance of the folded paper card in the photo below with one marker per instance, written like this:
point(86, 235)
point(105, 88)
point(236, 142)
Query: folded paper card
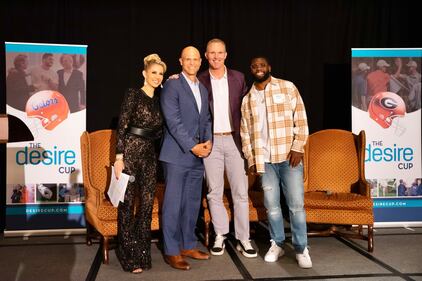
point(117, 188)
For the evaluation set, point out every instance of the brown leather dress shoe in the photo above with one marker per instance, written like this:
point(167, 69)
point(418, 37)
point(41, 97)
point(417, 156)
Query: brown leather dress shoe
point(195, 254)
point(177, 262)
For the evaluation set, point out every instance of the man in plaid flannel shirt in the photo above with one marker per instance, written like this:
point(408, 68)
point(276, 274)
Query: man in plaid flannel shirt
point(274, 130)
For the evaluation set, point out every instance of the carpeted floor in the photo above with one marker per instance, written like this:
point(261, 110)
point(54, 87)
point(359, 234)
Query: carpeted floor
point(397, 256)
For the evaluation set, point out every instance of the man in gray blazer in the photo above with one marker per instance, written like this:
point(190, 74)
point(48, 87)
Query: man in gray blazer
point(187, 140)
point(226, 88)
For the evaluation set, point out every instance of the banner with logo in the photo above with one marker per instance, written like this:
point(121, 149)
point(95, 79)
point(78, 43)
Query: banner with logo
point(386, 103)
point(46, 89)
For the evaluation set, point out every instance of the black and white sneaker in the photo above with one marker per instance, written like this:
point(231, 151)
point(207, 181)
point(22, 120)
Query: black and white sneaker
point(246, 249)
point(218, 248)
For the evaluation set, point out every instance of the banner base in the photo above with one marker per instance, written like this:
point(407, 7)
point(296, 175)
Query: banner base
point(44, 232)
point(404, 224)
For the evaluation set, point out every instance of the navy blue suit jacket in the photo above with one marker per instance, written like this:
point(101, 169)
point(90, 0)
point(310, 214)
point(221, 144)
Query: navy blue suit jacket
point(185, 126)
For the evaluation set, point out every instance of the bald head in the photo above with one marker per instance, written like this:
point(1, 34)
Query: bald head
point(190, 60)
point(190, 50)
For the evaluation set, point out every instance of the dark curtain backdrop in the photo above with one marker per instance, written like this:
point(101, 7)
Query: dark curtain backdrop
point(307, 41)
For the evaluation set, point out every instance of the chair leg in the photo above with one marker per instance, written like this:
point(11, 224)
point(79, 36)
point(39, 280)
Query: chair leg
point(360, 229)
point(370, 238)
point(105, 249)
point(207, 234)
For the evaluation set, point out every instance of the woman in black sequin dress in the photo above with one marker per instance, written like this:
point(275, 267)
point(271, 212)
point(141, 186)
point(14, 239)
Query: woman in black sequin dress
point(140, 124)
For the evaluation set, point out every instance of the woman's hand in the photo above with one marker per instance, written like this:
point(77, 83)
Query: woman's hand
point(119, 165)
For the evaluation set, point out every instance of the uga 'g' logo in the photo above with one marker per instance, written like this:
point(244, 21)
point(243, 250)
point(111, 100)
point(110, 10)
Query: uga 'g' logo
point(388, 103)
point(384, 107)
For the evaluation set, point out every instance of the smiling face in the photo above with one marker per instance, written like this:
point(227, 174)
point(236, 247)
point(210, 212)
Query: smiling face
point(48, 61)
point(260, 69)
point(190, 61)
point(216, 55)
point(154, 75)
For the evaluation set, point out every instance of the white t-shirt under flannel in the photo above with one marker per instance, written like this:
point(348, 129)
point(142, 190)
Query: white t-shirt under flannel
point(262, 122)
point(286, 119)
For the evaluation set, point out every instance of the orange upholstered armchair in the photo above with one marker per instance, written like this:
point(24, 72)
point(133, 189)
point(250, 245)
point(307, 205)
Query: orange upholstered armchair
point(257, 210)
point(336, 192)
point(98, 152)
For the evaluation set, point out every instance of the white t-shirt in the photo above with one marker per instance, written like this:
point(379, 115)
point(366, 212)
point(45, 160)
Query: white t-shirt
point(263, 124)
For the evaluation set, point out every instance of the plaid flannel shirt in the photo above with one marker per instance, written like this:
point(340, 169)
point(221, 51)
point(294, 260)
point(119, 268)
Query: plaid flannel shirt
point(287, 123)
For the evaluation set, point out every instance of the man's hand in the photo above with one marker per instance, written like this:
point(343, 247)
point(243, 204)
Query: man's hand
point(202, 150)
point(294, 158)
point(252, 171)
point(208, 145)
point(398, 62)
point(118, 168)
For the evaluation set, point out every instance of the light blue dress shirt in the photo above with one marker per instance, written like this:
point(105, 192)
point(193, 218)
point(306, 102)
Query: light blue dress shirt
point(194, 86)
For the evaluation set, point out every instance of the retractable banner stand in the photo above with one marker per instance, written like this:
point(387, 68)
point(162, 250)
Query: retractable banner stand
point(45, 87)
point(386, 103)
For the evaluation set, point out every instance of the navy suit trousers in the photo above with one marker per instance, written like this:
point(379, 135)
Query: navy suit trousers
point(182, 200)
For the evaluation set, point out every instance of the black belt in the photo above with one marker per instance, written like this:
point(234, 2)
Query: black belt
point(146, 133)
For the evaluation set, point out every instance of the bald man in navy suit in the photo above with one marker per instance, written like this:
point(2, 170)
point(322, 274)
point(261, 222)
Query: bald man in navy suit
point(187, 140)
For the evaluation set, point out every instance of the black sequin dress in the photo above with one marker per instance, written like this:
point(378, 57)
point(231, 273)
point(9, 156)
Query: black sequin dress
point(134, 215)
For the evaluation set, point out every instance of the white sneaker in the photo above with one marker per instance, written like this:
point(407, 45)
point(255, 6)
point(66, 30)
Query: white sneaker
point(274, 252)
point(304, 260)
point(218, 248)
point(246, 249)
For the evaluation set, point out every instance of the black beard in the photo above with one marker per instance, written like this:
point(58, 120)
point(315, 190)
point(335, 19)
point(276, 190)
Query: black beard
point(263, 78)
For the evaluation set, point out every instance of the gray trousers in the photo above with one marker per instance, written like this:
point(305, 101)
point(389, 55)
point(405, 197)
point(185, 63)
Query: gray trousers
point(226, 156)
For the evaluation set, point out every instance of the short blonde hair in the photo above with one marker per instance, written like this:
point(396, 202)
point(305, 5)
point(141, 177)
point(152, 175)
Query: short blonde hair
point(154, 59)
point(216, 40)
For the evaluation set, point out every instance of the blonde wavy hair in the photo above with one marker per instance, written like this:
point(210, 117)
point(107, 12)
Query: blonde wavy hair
point(154, 59)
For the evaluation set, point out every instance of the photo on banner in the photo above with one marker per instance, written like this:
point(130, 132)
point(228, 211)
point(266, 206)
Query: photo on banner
point(46, 90)
point(386, 103)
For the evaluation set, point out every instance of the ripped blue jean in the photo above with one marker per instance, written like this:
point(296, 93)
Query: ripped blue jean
point(281, 175)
